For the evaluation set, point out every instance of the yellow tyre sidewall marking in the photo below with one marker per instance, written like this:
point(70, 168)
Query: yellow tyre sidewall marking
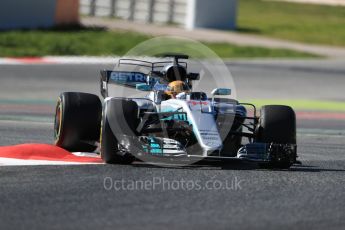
point(59, 106)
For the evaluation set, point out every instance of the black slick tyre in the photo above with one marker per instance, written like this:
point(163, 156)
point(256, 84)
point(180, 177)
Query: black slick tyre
point(277, 125)
point(77, 121)
point(119, 118)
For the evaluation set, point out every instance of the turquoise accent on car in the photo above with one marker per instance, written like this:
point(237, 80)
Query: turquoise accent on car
point(153, 145)
point(178, 117)
point(153, 148)
point(143, 87)
point(221, 91)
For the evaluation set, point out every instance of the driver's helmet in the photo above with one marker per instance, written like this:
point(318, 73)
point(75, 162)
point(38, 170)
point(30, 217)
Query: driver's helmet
point(176, 87)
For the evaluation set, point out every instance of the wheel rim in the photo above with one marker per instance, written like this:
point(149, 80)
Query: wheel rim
point(58, 121)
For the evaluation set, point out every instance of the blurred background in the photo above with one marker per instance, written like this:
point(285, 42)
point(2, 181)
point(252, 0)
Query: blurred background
point(289, 52)
point(279, 51)
point(232, 28)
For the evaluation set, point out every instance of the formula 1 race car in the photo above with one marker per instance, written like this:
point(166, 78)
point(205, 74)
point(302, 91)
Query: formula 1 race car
point(173, 122)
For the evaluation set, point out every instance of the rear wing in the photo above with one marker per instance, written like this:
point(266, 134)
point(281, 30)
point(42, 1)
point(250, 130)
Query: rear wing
point(132, 78)
point(152, 66)
point(123, 78)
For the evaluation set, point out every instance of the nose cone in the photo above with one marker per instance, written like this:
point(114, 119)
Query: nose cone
point(206, 130)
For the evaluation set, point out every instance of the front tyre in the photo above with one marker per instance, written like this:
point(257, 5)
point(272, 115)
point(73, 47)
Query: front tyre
point(77, 121)
point(277, 125)
point(119, 118)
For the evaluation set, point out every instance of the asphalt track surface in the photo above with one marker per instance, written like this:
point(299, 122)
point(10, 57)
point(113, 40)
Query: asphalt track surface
point(310, 195)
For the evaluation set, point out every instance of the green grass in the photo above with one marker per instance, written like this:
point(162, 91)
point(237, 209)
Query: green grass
point(224, 50)
point(84, 41)
point(300, 22)
point(300, 104)
point(66, 42)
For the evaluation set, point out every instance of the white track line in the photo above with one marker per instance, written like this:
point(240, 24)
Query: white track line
point(81, 60)
point(70, 60)
point(19, 162)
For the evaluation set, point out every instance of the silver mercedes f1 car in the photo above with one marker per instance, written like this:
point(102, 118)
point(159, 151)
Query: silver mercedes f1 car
point(173, 122)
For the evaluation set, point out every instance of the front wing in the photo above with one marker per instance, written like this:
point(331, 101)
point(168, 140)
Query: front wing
point(158, 147)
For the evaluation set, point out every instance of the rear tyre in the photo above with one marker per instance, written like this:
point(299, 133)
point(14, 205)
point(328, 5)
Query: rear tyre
point(77, 121)
point(277, 125)
point(119, 118)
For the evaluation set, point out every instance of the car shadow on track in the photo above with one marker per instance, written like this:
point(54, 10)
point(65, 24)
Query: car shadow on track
point(237, 166)
point(311, 168)
point(200, 166)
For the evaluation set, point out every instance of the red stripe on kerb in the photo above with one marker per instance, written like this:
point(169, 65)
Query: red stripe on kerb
point(43, 152)
point(320, 115)
point(30, 60)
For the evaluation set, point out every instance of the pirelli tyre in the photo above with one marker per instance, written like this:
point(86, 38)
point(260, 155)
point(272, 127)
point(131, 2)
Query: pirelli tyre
point(277, 124)
point(120, 118)
point(77, 121)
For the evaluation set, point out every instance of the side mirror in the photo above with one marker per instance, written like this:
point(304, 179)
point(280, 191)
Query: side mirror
point(221, 92)
point(193, 76)
point(143, 87)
